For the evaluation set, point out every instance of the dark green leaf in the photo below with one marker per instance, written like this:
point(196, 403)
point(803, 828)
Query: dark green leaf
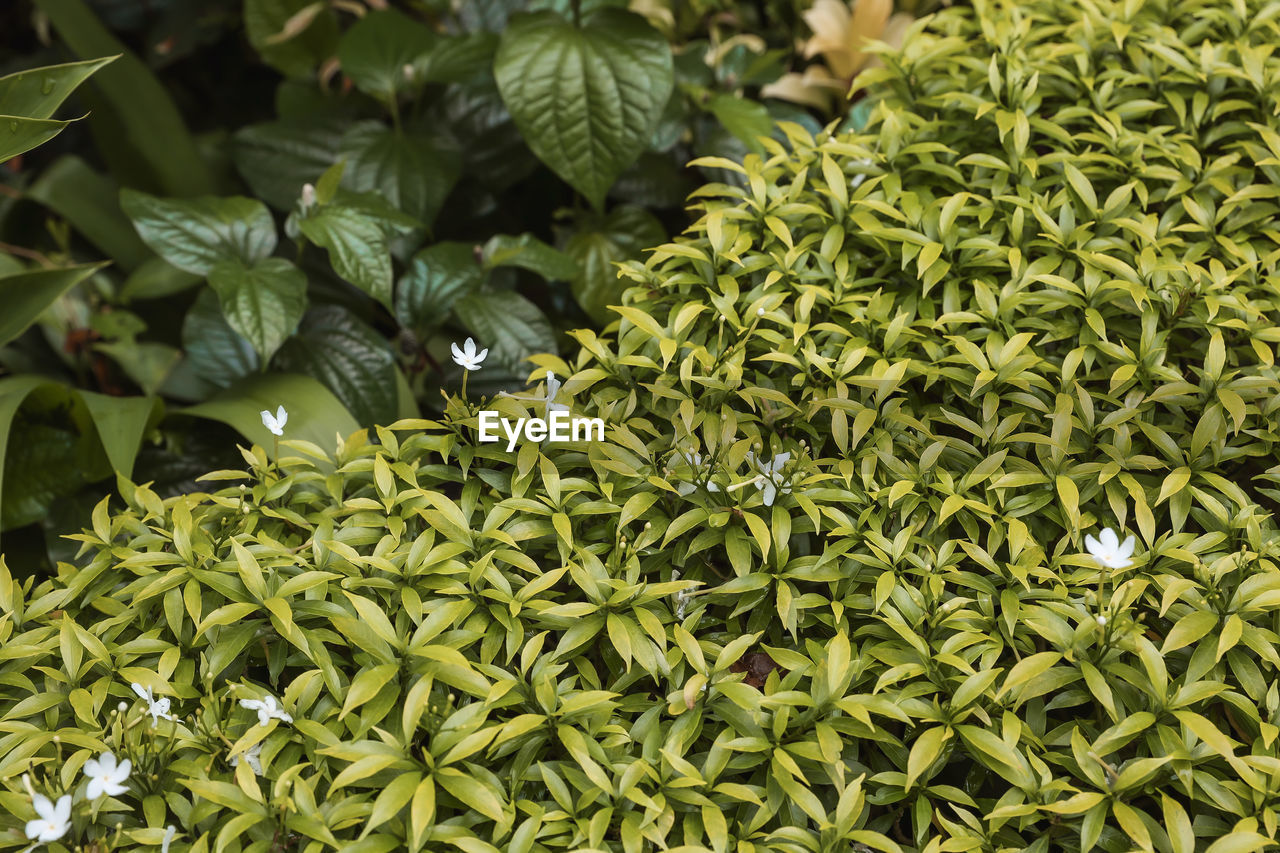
point(91, 203)
point(585, 99)
point(137, 127)
point(437, 277)
point(292, 36)
point(530, 253)
point(264, 302)
point(351, 359)
point(376, 50)
point(156, 278)
point(357, 247)
point(748, 120)
point(19, 135)
point(510, 326)
point(215, 352)
point(414, 172)
point(278, 158)
point(197, 234)
point(461, 57)
point(602, 242)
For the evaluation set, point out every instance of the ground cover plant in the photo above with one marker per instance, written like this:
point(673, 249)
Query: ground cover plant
point(215, 122)
point(936, 512)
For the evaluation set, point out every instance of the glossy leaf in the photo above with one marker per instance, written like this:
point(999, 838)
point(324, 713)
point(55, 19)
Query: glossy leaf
point(196, 235)
point(585, 99)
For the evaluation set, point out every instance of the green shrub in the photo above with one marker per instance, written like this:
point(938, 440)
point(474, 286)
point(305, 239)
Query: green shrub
point(869, 411)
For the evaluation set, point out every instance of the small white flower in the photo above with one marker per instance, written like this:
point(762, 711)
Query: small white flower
point(105, 776)
point(54, 820)
point(553, 388)
point(467, 356)
point(275, 422)
point(1108, 551)
point(308, 197)
point(770, 479)
point(156, 708)
point(266, 708)
point(169, 832)
point(251, 756)
point(1102, 621)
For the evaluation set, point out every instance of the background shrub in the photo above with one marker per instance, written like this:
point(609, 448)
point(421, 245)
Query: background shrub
point(918, 365)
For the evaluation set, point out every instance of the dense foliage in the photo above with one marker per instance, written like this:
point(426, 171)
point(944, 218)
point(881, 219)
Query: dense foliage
point(825, 585)
point(555, 135)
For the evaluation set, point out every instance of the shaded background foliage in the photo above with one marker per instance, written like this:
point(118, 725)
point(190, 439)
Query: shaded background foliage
point(245, 99)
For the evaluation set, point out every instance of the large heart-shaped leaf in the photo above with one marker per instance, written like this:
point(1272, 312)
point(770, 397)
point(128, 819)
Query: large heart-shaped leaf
point(412, 171)
point(512, 327)
point(376, 50)
point(357, 247)
point(263, 302)
point(350, 358)
point(585, 99)
point(197, 234)
point(437, 277)
point(276, 159)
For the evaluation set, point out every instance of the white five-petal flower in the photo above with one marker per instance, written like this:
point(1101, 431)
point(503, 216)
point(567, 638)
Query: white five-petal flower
point(266, 708)
point(106, 776)
point(1108, 550)
point(252, 756)
point(54, 820)
point(275, 422)
point(770, 475)
point(157, 708)
point(467, 356)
